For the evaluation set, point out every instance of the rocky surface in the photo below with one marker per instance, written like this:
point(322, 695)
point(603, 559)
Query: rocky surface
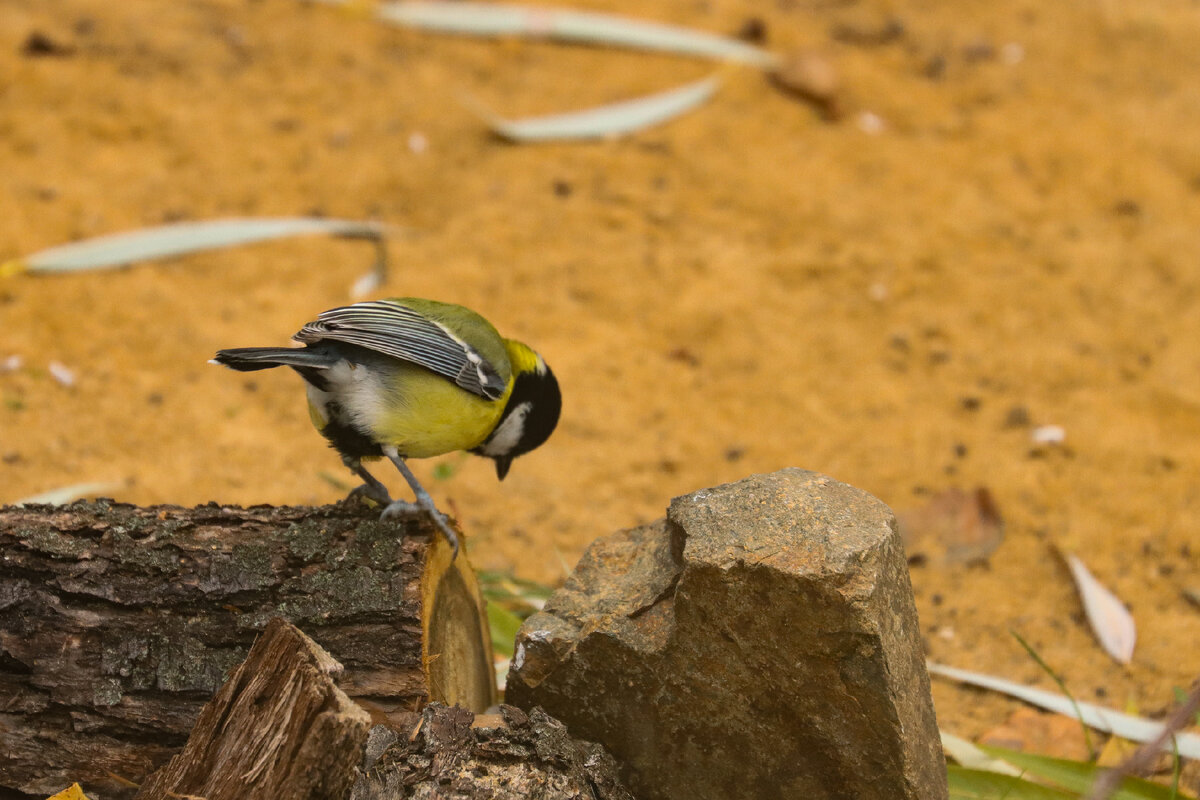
point(760, 642)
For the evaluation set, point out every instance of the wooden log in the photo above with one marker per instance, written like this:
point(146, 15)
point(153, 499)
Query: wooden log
point(117, 623)
point(279, 728)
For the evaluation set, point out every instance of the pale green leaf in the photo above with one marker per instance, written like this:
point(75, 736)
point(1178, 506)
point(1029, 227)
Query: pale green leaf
point(567, 25)
point(973, 784)
point(1078, 776)
point(66, 494)
point(1127, 726)
point(605, 122)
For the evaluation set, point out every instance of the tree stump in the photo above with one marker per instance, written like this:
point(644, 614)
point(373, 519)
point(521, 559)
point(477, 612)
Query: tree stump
point(117, 623)
point(279, 728)
point(452, 754)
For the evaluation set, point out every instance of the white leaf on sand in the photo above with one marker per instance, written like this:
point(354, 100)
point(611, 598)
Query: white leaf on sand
point(119, 249)
point(1111, 621)
point(1048, 434)
point(58, 497)
point(182, 238)
point(605, 122)
point(1127, 726)
point(64, 375)
point(568, 25)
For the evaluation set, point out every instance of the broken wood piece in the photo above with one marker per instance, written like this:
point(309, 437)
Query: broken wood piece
point(760, 642)
point(118, 623)
point(279, 728)
point(452, 753)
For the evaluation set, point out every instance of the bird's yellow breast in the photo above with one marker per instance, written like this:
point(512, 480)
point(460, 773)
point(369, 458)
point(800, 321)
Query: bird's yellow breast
point(432, 416)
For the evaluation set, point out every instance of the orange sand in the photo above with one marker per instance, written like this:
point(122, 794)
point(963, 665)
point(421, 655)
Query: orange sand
point(746, 288)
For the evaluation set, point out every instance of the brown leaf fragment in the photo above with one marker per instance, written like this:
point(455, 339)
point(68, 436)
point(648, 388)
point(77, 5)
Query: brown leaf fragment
point(1033, 731)
point(954, 527)
point(812, 77)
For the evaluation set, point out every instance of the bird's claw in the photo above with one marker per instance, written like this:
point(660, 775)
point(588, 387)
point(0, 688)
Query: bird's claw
point(366, 491)
point(398, 508)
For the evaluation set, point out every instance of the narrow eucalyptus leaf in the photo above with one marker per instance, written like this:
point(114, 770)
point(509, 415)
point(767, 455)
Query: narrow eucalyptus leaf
point(1127, 726)
point(605, 122)
point(66, 494)
point(561, 24)
point(181, 238)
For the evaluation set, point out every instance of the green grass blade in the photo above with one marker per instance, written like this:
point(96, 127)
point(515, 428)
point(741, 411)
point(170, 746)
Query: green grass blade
point(503, 625)
point(1062, 685)
point(1078, 776)
point(973, 784)
point(1127, 726)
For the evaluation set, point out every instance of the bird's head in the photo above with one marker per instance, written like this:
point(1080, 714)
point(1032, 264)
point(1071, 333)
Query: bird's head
point(531, 412)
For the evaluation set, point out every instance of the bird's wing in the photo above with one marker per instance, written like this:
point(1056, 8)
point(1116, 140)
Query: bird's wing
point(400, 332)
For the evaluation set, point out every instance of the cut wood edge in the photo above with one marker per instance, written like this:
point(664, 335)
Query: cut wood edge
point(456, 650)
point(277, 728)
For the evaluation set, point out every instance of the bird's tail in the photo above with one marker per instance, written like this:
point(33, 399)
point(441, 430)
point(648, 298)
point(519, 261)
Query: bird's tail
point(248, 359)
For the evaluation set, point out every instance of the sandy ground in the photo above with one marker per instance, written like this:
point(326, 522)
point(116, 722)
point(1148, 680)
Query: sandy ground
point(1008, 240)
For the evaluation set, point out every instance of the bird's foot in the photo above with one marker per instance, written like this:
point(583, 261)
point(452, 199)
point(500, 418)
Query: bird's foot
point(398, 508)
point(376, 494)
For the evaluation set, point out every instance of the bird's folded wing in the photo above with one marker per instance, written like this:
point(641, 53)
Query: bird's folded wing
point(400, 332)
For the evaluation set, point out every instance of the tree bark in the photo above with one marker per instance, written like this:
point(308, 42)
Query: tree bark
point(117, 623)
point(452, 754)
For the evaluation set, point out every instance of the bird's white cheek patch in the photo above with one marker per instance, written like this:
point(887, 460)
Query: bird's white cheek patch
point(509, 432)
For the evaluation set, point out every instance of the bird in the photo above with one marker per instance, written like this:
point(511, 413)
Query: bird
point(408, 378)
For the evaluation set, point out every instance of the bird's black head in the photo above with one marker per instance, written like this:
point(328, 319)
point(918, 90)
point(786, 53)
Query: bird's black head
point(529, 416)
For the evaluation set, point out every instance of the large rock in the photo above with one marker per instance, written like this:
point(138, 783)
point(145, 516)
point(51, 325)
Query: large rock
point(760, 642)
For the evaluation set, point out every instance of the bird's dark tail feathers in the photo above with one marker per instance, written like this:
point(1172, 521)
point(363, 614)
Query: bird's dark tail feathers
point(248, 359)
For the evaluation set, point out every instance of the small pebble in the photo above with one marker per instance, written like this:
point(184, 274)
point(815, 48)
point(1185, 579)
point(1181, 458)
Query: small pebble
point(417, 143)
point(1012, 54)
point(1049, 434)
point(11, 364)
point(1017, 417)
point(871, 123)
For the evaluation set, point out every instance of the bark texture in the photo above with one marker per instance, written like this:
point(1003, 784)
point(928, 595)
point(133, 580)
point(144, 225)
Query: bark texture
point(453, 754)
point(118, 623)
point(279, 728)
point(760, 642)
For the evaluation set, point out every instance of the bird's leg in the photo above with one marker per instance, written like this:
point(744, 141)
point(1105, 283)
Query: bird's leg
point(424, 501)
point(372, 487)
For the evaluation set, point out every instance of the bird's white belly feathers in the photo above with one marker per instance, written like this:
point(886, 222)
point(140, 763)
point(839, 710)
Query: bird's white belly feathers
point(357, 393)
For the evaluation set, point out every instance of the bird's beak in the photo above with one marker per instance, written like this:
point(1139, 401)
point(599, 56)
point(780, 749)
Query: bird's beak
point(502, 465)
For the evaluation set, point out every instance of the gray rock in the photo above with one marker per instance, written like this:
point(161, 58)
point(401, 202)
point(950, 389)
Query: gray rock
point(760, 642)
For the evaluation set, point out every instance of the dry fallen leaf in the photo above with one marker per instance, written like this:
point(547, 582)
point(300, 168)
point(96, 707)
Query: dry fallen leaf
point(812, 77)
point(72, 792)
point(954, 527)
point(1111, 621)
